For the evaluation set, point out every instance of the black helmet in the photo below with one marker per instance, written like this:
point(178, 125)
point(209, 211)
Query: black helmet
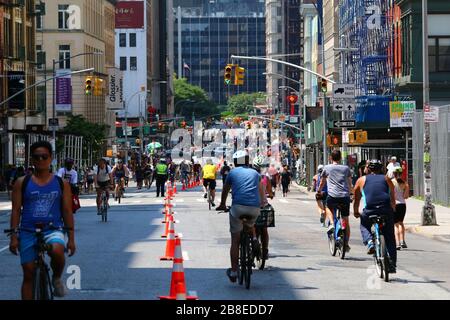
point(375, 165)
point(69, 161)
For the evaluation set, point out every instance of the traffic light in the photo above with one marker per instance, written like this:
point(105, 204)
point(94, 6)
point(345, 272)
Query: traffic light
point(357, 137)
point(88, 86)
point(239, 75)
point(323, 85)
point(228, 74)
point(98, 86)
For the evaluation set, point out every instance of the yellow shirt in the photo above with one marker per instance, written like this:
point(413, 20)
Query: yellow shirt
point(209, 171)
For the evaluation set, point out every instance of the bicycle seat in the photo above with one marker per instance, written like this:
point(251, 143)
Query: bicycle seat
point(245, 217)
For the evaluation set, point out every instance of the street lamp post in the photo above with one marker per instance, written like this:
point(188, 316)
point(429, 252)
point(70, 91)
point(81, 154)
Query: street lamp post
point(54, 93)
point(126, 117)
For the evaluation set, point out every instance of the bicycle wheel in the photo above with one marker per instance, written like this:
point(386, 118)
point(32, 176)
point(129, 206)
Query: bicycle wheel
point(104, 210)
point(341, 243)
point(260, 261)
point(249, 263)
point(242, 261)
point(332, 244)
point(41, 285)
point(376, 258)
point(384, 259)
point(209, 199)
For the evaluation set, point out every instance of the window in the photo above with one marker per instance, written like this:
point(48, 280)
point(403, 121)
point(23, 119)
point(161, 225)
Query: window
point(123, 63)
point(406, 45)
point(122, 40)
point(39, 21)
point(133, 40)
point(133, 63)
point(64, 53)
point(40, 57)
point(439, 54)
point(63, 16)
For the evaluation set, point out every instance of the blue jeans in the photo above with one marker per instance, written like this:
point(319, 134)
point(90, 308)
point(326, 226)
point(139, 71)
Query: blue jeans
point(388, 232)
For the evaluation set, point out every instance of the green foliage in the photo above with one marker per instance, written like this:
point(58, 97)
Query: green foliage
point(243, 103)
point(190, 98)
point(93, 134)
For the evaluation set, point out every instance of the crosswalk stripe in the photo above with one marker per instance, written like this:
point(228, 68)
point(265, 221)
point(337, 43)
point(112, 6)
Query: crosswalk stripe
point(199, 200)
point(305, 202)
point(283, 200)
point(185, 256)
point(179, 200)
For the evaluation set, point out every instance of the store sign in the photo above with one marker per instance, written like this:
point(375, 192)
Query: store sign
point(402, 113)
point(63, 91)
point(114, 97)
point(130, 15)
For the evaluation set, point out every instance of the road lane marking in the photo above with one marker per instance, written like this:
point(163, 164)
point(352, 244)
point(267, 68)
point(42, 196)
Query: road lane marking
point(185, 256)
point(6, 208)
point(283, 201)
point(305, 202)
point(179, 200)
point(200, 200)
point(5, 248)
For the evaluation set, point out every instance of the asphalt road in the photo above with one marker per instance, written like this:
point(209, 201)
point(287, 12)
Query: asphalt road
point(120, 259)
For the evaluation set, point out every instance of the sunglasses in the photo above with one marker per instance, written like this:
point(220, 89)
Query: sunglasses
point(40, 157)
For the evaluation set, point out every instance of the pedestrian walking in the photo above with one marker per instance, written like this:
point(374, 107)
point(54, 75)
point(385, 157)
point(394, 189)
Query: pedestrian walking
point(401, 188)
point(286, 178)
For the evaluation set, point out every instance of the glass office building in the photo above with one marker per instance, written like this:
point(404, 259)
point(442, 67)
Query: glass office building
point(212, 31)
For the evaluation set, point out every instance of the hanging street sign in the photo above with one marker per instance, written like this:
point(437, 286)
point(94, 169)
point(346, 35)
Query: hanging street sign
point(344, 124)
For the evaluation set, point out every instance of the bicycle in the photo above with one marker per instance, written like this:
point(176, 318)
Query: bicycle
point(121, 190)
point(338, 239)
point(265, 219)
point(42, 284)
point(104, 206)
point(208, 192)
point(380, 255)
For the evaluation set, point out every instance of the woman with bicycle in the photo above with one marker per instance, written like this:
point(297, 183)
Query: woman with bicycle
point(41, 198)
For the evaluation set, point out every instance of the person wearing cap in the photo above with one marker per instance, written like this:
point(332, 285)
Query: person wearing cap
point(393, 164)
point(67, 173)
point(162, 173)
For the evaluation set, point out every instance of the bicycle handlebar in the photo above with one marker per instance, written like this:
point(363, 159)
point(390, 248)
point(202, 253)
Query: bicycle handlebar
point(37, 229)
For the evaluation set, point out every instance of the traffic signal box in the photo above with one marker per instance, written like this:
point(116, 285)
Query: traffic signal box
point(357, 137)
point(323, 85)
point(88, 86)
point(334, 140)
point(98, 86)
point(228, 74)
point(239, 76)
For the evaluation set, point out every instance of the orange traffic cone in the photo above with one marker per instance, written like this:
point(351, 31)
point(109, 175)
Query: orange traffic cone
point(183, 188)
point(170, 246)
point(178, 283)
point(168, 220)
point(175, 189)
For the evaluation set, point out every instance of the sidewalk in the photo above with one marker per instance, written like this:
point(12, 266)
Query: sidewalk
point(413, 218)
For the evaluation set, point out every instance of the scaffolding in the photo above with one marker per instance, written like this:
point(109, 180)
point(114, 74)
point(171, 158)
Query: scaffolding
point(367, 26)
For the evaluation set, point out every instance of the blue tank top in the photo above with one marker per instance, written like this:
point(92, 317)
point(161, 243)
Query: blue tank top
point(325, 187)
point(376, 194)
point(42, 204)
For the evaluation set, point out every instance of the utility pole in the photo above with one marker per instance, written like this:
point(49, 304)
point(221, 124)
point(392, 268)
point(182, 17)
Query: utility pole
point(428, 210)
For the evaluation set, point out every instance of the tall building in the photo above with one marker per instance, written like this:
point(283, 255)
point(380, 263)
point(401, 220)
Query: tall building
point(21, 116)
point(131, 55)
point(83, 32)
point(212, 31)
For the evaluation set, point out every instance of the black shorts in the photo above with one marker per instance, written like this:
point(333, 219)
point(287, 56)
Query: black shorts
point(210, 182)
point(103, 184)
point(400, 212)
point(342, 203)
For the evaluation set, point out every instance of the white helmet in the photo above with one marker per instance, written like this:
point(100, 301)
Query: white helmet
point(240, 157)
point(258, 162)
point(209, 161)
point(320, 168)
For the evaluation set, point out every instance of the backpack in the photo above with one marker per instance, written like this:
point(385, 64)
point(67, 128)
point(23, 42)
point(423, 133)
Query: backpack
point(107, 169)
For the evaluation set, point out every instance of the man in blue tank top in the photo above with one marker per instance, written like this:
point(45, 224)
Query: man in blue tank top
point(377, 192)
point(41, 199)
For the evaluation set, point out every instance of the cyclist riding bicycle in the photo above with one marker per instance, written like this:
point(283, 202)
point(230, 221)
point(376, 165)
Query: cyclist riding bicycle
point(378, 194)
point(247, 195)
point(338, 179)
point(185, 170)
point(258, 164)
point(119, 172)
point(321, 199)
point(103, 180)
point(209, 173)
point(47, 199)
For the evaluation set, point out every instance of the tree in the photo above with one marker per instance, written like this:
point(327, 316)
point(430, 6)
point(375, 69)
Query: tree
point(190, 98)
point(244, 102)
point(94, 134)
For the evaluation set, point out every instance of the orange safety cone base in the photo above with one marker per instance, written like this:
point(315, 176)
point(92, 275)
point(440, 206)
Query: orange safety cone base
point(166, 258)
point(165, 236)
point(174, 298)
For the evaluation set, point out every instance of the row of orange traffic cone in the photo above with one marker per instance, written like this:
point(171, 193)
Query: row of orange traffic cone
point(190, 185)
point(173, 252)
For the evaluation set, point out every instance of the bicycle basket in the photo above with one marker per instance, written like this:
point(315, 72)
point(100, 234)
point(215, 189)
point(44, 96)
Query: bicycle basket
point(266, 218)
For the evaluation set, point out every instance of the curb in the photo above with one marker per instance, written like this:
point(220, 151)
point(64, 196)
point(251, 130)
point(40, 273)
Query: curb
point(416, 230)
